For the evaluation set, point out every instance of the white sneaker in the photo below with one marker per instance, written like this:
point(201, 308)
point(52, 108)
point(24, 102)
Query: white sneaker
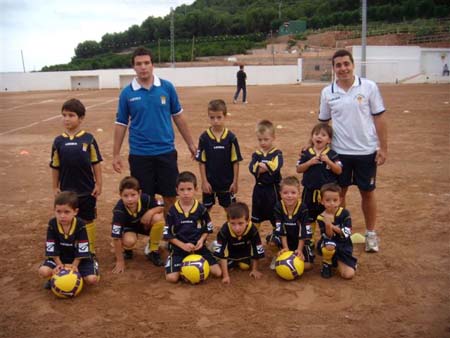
point(147, 249)
point(273, 263)
point(371, 242)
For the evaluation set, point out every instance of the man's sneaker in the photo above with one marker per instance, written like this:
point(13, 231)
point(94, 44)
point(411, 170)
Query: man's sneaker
point(326, 270)
point(155, 258)
point(47, 285)
point(273, 263)
point(371, 242)
point(127, 254)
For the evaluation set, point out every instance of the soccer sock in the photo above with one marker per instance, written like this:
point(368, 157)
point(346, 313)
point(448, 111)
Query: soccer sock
point(244, 266)
point(155, 235)
point(327, 255)
point(90, 229)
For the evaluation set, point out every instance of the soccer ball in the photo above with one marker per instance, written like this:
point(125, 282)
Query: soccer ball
point(194, 269)
point(66, 283)
point(288, 266)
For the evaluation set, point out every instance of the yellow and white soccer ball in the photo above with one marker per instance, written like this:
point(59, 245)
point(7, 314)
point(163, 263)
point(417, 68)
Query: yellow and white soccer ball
point(194, 269)
point(66, 283)
point(288, 266)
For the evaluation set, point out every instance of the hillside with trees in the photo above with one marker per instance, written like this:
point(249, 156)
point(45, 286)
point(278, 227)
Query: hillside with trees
point(226, 27)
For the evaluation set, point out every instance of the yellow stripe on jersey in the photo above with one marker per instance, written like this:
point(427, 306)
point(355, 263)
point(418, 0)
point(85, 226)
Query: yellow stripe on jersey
point(55, 159)
point(203, 156)
point(273, 164)
point(233, 153)
point(94, 157)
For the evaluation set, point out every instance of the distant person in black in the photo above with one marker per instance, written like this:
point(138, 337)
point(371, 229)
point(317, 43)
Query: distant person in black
point(445, 72)
point(241, 79)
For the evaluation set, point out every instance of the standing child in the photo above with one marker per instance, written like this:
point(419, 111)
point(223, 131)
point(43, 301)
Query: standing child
point(292, 223)
point(238, 243)
point(319, 165)
point(218, 155)
point(136, 213)
point(265, 165)
point(336, 228)
point(241, 78)
point(187, 226)
point(76, 164)
point(67, 242)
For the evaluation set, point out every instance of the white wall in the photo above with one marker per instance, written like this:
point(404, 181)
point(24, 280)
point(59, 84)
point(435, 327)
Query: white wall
point(181, 77)
point(400, 63)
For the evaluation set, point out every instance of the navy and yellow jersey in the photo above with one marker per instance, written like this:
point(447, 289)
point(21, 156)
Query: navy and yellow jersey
point(74, 156)
point(319, 174)
point(294, 226)
point(342, 220)
point(125, 218)
point(219, 155)
point(67, 245)
point(230, 246)
point(189, 226)
point(274, 161)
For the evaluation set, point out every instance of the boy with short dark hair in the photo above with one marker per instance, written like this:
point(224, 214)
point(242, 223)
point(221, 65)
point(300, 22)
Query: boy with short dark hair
point(238, 243)
point(187, 226)
point(136, 213)
point(76, 164)
point(218, 155)
point(67, 243)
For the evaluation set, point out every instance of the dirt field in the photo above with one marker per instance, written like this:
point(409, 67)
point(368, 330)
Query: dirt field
point(403, 291)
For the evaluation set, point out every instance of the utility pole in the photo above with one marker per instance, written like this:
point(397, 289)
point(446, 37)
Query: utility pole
point(23, 62)
point(172, 38)
point(363, 38)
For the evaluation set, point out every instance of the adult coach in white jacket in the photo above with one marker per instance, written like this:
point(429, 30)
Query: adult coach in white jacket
point(356, 109)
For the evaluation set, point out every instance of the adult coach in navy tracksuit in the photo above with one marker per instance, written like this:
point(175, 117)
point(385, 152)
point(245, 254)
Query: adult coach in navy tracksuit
point(147, 107)
point(356, 109)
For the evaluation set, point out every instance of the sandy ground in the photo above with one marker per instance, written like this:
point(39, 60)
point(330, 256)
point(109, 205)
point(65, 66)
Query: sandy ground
point(403, 291)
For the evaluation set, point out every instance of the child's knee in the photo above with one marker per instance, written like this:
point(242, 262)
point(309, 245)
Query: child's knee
point(45, 271)
point(173, 277)
point(216, 271)
point(91, 279)
point(347, 273)
point(128, 242)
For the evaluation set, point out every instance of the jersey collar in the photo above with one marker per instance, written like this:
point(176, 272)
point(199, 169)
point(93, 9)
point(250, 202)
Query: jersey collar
point(297, 206)
point(335, 87)
point(324, 151)
point(71, 229)
point(260, 152)
point(186, 214)
point(213, 137)
point(71, 137)
point(136, 86)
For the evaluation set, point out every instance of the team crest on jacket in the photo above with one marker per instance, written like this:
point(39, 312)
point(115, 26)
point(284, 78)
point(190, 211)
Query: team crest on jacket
point(85, 146)
point(163, 99)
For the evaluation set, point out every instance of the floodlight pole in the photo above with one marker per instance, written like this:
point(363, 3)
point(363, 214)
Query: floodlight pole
point(172, 38)
point(363, 38)
point(23, 62)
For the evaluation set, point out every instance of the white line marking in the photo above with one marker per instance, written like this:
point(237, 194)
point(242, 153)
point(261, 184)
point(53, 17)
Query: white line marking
point(50, 118)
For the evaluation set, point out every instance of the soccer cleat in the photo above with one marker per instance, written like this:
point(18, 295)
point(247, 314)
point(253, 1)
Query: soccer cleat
point(371, 242)
point(155, 258)
point(47, 285)
point(326, 271)
point(128, 254)
point(273, 263)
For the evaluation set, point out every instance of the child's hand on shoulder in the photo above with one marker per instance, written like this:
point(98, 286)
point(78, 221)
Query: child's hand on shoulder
point(255, 274)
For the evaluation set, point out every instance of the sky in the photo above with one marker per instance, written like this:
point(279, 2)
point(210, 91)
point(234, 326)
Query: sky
point(48, 31)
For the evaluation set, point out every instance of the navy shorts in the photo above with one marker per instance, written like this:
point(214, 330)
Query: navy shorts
point(175, 259)
point(311, 198)
point(308, 250)
point(156, 174)
point(87, 266)
point(360, 170)
point(138, 229)
point(225, 199)
point(264, 199)
point(87, 207)
point(344, 253)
